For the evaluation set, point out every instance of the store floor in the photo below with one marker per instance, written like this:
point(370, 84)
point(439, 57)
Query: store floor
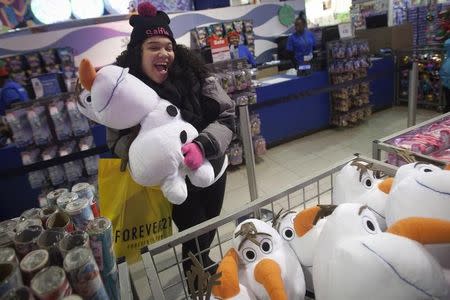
point(287, 164)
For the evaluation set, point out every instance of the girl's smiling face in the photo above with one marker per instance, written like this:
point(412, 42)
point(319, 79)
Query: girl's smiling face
point(157, 57)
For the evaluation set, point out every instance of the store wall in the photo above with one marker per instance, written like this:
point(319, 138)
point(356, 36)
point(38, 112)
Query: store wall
point(101, 43)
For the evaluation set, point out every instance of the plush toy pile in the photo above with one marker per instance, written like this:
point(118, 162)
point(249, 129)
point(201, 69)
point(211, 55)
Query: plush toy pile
point(343, 252)
point(357, 183)
point(119, 100)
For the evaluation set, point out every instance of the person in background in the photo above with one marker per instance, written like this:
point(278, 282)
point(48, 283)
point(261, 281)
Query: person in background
point(177, 75)
point(301, 43)
point(10, 91)
point(444, 73)
point(239, 50)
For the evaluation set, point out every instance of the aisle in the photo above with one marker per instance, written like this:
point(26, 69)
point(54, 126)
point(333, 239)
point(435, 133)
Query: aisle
point(286, 164)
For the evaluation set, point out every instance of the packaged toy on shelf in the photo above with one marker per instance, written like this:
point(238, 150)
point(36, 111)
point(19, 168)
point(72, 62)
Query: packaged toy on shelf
point(90, 162)
point(348, 60)
point(55, 173)
point(37, 117)
point(37, 178)
point(429, 60)
point(79, 123)
point(235, 77)
point(73, 169)
point(235, 154)
point(20, 127)
point(60, 118)
point(259, 145)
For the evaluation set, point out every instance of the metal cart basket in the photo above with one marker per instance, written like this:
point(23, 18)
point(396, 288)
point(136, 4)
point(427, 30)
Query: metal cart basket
point(382, 144)
point(163, 262)
point(127, 289)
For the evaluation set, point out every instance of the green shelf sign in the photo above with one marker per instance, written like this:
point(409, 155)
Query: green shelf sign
point(286, 15)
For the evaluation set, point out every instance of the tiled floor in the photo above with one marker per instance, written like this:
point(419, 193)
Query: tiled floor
point(287, 164)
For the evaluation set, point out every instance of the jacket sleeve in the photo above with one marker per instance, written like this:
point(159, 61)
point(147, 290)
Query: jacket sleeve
point(217, 135)
point(119, 141)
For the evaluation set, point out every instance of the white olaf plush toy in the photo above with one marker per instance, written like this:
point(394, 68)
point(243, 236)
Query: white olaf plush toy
point(419, 190)
point(420, 194)
point(355, 260)
point(119, 100)
point(261, 262)
point(301, 231)
point(357, 183)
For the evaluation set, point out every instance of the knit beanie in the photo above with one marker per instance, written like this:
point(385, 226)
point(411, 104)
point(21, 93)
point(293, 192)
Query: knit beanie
point(149, 22)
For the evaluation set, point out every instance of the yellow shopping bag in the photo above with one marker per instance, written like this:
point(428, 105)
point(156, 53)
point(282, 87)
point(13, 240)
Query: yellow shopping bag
point(139, 215)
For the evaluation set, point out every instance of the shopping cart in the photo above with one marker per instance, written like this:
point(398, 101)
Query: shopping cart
point(126, 286)
point(163, 262)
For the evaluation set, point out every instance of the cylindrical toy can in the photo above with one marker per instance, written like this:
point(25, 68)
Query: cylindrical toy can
point(32, 213)
point(72, 240)
point(20, 293)
point(24, 223)
point(60, 220)
point(46, 213)
point(100, 236)
point(32, 263)
point(80, 212)
point(84, 275)
point(7, 233)
point(51, 283)
point(10, 277)
point(8, 255)
point(54, 195)
point(65, 199)
point(72, 297)
point(49, 240)
point(26, 241)
point(85, 190)
point(111, 282)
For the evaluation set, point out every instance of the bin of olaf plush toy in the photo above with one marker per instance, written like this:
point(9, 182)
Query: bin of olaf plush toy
point(360, 230)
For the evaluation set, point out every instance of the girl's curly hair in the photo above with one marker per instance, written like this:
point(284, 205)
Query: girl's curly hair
point(186, 64)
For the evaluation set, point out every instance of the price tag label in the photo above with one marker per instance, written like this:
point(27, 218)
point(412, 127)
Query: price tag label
point(304, 67)
point(345, 30)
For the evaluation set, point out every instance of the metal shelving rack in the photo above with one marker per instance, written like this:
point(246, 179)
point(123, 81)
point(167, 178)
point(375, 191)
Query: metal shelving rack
point(413, 54)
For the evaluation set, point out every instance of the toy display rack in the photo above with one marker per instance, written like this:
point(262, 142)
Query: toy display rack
point(403, 59)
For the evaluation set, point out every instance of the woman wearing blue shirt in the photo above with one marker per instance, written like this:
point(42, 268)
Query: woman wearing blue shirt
point(301, 42)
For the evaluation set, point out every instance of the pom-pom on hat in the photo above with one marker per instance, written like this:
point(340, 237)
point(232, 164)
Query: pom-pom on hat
point(149, 22)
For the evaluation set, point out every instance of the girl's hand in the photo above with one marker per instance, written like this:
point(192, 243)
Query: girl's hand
point(193, 156)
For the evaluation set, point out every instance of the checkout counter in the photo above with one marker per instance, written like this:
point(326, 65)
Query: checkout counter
point(291, 106)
